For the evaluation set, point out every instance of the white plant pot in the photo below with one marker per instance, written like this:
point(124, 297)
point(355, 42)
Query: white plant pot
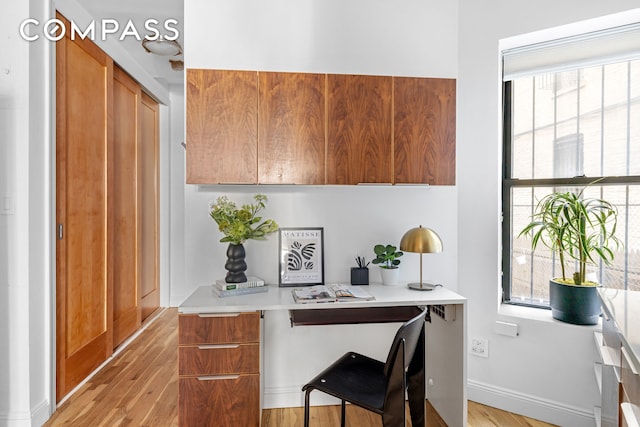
point(390, 276)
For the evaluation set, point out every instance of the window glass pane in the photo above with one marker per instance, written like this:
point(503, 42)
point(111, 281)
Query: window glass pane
point(634, 118)
point(591, 120)
point(522, 126)
point(544, 125)
point(615, 124)
point(632, 239)
point(531, 271)
point(574, 123)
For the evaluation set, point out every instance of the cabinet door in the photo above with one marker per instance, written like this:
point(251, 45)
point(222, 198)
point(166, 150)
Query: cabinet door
point(221, 126)
point(219, 401)
point(219, 329)
point(291, 128)
point(424, 131)
point(359, 129)
point(219, 359)
point(126, 298)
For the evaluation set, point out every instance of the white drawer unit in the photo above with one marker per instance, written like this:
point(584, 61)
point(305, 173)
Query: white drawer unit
point(619, 350)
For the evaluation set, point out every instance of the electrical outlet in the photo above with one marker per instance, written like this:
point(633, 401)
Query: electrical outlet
point(480, 347)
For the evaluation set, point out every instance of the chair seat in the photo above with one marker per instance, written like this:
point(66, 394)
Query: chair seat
point(355, 378)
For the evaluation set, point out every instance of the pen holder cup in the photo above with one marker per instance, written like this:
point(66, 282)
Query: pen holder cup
point(359, 276)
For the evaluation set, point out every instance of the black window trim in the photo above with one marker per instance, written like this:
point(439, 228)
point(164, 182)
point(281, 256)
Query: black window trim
point(508, 183)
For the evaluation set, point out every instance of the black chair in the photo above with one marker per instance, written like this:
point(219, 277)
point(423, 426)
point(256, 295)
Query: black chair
point(376, 386)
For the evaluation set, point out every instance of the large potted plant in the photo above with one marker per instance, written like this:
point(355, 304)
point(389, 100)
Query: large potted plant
point(239, 225)
point(387, 257)
point(579, 231)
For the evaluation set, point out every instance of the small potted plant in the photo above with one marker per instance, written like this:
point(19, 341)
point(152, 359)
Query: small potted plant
point(579, 230)
point(387, 257)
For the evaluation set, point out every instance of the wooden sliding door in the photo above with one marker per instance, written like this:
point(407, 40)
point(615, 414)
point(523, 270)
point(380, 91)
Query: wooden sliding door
point(83, 151)
point(148, 180)
point(126, 297)
point(107, 186)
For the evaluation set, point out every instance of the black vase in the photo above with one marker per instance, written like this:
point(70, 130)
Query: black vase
point(235, 265)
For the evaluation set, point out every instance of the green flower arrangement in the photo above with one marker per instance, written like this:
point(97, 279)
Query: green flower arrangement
point(240, 225)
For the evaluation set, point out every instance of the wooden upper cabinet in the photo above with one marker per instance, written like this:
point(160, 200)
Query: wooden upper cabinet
point(222, 126)
point(424, 131)
point(291, 128)
point(359, 129)
point(249, 127)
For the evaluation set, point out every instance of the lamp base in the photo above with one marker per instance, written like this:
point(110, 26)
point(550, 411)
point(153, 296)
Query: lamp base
point(416, 286)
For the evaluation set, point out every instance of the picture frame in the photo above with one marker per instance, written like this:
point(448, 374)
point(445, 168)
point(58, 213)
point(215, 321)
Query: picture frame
point(301, 256)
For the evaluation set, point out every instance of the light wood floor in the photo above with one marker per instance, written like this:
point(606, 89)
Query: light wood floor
point(139, 387)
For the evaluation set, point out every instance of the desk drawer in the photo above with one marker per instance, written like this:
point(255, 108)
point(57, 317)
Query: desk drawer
point(223, 328)
point(630, 378)
point(224, 401)
point(219, 359)
point(611, 337)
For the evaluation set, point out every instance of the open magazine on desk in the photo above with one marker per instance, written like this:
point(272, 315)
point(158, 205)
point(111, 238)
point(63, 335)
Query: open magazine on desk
point(331, 293)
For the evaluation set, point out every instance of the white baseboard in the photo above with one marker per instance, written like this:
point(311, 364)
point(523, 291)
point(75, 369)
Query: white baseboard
point(15, 419)
point(292, 396)
point(38, 416)
point(41, 413)
point(529, 406)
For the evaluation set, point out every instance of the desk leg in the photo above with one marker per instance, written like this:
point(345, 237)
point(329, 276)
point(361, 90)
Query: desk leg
point(446, 365)
point(416, 384)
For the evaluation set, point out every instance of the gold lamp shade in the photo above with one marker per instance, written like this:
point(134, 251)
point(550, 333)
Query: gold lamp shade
point(421, 240)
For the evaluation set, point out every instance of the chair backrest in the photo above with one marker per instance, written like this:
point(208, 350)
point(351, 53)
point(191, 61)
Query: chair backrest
point(405, 341)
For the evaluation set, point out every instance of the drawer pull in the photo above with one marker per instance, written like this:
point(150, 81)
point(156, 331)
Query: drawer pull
point(216, 346)
point(218, 314)
point(218, 377)
point(629, 414)
point(629, 361)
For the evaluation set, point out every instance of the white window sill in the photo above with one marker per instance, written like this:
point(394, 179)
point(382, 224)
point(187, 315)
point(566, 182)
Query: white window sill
point(537, 314)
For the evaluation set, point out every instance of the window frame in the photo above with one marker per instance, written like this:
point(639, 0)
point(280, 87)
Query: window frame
point(508, 183)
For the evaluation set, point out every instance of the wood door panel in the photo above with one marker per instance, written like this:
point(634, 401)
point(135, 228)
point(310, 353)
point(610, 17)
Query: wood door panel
point(126, 300)
point(83, 149)
point(359, 129)
point(291, 128)
point(425, 130)
point(148, 209)
point(222, 126)
point(236, 359)
point(86, 210)
point(220, 402)
point(232, 328)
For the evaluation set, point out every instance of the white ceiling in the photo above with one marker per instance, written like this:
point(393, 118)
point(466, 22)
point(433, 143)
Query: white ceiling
point(138, 11)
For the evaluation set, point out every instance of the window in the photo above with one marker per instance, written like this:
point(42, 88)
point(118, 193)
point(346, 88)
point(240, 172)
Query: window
point(568, 123)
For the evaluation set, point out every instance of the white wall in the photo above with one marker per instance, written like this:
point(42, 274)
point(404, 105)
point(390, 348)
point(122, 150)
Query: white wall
point(27, 135)
point(546, 372)
point(25, 246)
point(376, 37)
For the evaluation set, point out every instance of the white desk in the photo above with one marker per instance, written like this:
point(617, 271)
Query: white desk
point(446, 360)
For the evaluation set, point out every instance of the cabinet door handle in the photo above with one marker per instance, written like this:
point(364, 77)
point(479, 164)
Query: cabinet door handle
point(629, 361)
point(215, 346)
point(218, 377)
point(218, 314)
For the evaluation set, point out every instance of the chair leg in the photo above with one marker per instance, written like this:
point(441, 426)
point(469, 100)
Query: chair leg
point(306, 407)
point(343, 415)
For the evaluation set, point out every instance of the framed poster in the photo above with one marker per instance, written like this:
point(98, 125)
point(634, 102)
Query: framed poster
point(301, 256)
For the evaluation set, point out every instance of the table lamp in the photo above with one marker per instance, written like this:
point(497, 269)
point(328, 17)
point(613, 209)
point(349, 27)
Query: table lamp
point(421, 240)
